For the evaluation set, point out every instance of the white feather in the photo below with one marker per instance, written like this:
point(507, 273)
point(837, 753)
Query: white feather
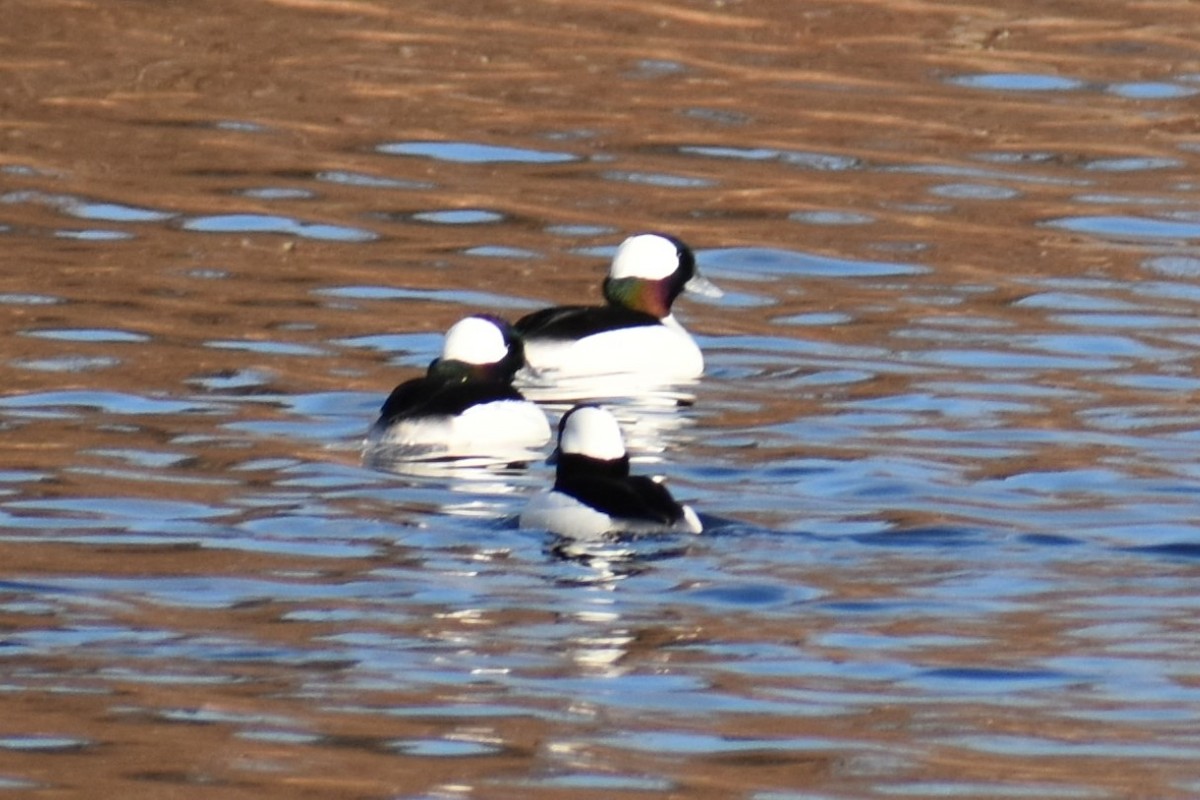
point(479, 430)
point(662, 353)
point(475, 341)
point(646, 255)
point(563, 514)
point(593, 432)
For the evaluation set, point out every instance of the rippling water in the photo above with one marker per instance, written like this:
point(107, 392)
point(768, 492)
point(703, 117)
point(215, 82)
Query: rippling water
point(946, 445)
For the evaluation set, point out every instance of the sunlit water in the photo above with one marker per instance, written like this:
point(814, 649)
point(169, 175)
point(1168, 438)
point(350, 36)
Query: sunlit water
point(945, 448)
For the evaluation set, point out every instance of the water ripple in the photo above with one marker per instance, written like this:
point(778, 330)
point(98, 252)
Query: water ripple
point(86, 209)
point(1018, 82)
point(775, 261)
point(268, 223)
point(1128, 227)
point(475, 153)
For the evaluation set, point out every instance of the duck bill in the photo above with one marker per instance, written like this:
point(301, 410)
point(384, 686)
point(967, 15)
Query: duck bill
point(702, 287)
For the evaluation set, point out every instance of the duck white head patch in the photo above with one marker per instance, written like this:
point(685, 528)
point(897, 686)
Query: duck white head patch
point(593, 432)
point(646, 255)
point(475, 341)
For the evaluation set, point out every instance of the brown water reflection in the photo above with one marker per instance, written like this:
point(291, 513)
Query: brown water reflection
point(954, 378)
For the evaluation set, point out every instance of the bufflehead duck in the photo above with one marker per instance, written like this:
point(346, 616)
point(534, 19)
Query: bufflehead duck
point(465, 404)
point(594, 494)
point(635, 332)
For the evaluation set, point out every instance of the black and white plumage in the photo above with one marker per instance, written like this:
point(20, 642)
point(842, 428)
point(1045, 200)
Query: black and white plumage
point(465, 404)
point(594, 493)
point(635, 331)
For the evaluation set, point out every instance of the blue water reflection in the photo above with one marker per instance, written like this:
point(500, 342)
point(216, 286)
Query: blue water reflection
point(1152, 90)
point(456, 216)
point(1129, 227)
point(82, 208)
point(794, 158)
point(772, 261)
point(1018, 82)
point(475, 153)
point(267, 223)
point(466, 297)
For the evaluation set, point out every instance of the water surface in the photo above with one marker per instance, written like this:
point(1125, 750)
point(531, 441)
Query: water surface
point(945, 446)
